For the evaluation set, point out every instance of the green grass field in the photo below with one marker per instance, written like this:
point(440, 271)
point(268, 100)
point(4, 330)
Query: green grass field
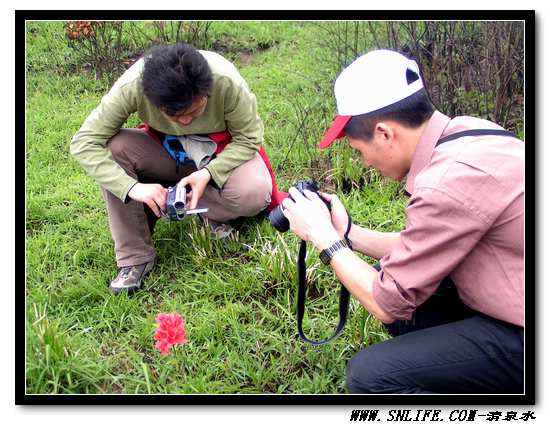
point(238, 298)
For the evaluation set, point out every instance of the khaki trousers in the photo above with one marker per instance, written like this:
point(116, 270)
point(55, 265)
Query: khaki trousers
point(246, 193)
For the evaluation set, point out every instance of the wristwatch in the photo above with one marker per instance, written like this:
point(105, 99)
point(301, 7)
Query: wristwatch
point(326, 254)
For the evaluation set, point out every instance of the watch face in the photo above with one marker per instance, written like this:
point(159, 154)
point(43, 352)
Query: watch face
point(325, 259)
point(326, 254)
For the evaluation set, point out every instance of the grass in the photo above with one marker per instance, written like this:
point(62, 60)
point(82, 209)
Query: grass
point(238, 298)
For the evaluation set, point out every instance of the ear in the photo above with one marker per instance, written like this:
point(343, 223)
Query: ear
point(383, 132)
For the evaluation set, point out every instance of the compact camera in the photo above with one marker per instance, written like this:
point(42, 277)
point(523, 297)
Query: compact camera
point(176, 199)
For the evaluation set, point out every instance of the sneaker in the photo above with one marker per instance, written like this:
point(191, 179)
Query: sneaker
point(220, 231)
point(129, 278)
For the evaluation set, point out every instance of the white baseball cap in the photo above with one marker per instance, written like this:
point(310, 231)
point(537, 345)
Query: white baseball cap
point(373, 81)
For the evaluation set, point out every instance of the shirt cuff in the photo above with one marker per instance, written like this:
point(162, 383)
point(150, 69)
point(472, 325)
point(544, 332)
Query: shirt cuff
point(126, 188)
point(385, 292)
point(217, 176)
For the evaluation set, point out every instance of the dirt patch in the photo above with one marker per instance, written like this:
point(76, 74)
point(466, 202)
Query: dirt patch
point(111, 388)
point(243, 54)
point(314, 291)
point(246, 58)
point(270, 289)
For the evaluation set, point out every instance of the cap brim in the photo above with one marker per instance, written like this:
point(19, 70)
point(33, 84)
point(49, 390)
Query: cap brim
point(335, 131)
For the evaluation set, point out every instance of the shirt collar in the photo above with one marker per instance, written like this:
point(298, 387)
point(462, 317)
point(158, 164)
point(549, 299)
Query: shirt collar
point(423, 152)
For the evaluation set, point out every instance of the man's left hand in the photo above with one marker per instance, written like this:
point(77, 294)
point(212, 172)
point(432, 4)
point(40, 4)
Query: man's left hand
point(310, 218)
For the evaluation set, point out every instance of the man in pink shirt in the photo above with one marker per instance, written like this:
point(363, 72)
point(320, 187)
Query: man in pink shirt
point(450, 285)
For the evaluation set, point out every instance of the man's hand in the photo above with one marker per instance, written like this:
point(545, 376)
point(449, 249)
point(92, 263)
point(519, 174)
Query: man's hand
point(152, 194)
point(198, 181)
point(310, 218)
point(338, 214)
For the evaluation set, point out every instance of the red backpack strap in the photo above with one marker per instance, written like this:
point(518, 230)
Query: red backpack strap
point(221, 138)
point(224, 137)
point(276, 196)
point(157, 136)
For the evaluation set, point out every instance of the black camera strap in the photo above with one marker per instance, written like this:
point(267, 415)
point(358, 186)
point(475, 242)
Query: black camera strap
point(476, 132)
point(300, 305)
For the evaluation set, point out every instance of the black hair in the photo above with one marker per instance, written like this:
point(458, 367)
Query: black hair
point(411, 112)
point(174, 76)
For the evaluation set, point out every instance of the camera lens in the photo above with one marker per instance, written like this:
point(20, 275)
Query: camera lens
point(278, 219)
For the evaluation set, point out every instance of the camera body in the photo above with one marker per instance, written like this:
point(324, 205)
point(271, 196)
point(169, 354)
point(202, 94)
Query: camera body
point(278, 219)
point(176, 199)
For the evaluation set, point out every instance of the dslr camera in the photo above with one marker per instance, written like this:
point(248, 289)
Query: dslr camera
point(278, 219)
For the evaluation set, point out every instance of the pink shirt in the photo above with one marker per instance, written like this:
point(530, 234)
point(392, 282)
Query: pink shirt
point(465, 219)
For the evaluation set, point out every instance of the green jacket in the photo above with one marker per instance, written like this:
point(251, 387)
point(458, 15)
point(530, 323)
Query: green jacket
point(231, 106)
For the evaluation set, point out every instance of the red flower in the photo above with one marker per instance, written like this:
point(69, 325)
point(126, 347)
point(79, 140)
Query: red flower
point(170, 331)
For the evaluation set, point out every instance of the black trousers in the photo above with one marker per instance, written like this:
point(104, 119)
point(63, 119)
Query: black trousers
point(445, 348)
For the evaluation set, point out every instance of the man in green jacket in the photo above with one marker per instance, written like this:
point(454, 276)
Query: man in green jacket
point(180, 91)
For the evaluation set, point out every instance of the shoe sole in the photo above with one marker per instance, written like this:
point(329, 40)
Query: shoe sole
point(133, 289)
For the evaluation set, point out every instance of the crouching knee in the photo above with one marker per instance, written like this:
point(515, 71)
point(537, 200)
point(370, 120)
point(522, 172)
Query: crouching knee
point(259, 195)
point(121, 143)
point(365, 372)
point(251, 197)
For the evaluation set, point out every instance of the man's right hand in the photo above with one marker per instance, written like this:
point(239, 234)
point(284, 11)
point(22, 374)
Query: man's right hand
point(152, 194)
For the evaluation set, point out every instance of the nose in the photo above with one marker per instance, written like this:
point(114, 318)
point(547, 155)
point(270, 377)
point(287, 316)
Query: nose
point(185, 120)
